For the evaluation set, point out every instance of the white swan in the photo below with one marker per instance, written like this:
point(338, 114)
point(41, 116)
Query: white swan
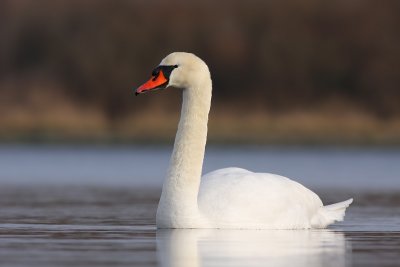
point(227, 198)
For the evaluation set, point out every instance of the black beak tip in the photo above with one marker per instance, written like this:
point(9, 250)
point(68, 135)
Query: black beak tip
point(136, 93)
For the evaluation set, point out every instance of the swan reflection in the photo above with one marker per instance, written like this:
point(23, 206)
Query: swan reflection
point(212, 247)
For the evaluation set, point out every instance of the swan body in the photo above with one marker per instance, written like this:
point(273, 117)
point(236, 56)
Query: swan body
point(231, 198)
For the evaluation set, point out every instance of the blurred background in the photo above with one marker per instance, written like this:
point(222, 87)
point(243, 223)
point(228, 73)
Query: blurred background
point(286, 72)
point(307, 89)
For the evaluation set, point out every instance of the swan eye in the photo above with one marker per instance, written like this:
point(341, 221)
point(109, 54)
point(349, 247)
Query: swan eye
point(155, 72)
point(166, 70)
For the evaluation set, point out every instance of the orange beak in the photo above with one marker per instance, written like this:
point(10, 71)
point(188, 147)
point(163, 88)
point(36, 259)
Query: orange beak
point(155, 82)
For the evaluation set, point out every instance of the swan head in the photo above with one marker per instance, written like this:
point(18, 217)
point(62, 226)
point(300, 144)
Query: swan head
point(179, 69)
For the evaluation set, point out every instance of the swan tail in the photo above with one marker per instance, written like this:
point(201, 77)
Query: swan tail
point(329, 214)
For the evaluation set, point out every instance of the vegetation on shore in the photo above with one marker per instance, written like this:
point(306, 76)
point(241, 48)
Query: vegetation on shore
point(62, 121)
point(283, 71)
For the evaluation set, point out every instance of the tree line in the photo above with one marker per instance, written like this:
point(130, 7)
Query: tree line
point(278, 54)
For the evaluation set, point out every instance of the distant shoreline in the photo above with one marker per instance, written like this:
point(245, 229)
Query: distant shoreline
point(324, 127)
point(222, 131)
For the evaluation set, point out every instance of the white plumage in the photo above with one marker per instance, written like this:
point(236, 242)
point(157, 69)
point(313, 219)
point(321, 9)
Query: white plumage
point(232, 197)
point(238, 198)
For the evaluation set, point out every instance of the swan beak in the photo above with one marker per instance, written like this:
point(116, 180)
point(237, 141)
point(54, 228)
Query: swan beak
point(155, 82)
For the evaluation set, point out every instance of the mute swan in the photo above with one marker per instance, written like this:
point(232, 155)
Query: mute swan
point(231, 197)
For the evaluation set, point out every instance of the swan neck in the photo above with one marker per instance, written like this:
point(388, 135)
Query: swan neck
point(190, 141)
point(179, 196)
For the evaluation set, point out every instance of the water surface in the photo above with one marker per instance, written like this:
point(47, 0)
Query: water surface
point(95, 206)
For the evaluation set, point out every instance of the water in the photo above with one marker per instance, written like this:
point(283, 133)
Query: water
point(95, 206)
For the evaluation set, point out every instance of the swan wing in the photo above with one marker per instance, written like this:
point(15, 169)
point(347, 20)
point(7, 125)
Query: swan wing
point(238, 198)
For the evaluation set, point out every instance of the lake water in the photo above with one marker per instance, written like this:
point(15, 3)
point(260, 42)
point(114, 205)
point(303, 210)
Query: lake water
point(95, 206)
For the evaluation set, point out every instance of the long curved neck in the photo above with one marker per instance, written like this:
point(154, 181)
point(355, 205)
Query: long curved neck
point(178, 202)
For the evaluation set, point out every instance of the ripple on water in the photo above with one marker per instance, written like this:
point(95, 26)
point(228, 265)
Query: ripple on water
point(103, 226)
